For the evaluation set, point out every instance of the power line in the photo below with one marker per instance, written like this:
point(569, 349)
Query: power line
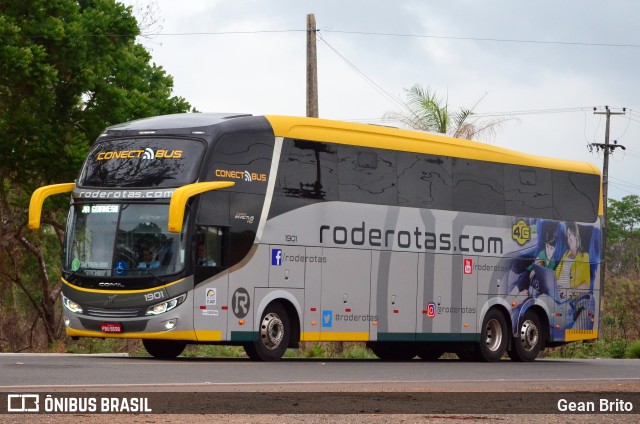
point(362, 74)
point(159, 34)
point(621, 188)
point(377, 34)
point(626, 129)
point(502, 40)
point(621, 182)
point(535, 111)
point(480, 115)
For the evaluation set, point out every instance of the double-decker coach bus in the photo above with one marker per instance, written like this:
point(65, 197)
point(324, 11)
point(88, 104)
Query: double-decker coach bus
point(267, 231)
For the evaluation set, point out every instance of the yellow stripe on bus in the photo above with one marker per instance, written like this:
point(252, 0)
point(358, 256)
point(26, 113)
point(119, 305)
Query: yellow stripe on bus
point(575, 335)
point(338, 336)
point(120, 291)
point(209, 335)
point(188, 335)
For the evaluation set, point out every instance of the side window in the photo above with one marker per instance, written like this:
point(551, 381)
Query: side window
point(210, 252)
point(309, 170)
point(575, 196)
point(424, 181)
point(478, 186)
point(367, 175)
point(528, 192)
point(307, 174)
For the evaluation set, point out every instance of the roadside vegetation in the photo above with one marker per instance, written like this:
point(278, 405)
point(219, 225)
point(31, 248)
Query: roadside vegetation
point(68, 69)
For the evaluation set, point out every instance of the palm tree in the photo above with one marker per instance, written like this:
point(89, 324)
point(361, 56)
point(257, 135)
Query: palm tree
point(428, 112)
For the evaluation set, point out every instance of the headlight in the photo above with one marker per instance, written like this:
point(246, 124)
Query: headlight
point(71, 305)
point(163, 307)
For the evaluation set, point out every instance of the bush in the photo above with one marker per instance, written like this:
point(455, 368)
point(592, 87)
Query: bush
point(358, 352)
point(616, 348)
point(316, 351)
point(633, 350)
point(213, 351)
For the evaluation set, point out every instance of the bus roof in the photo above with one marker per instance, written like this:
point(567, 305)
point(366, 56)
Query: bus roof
point(367, 135)
point(176, 121)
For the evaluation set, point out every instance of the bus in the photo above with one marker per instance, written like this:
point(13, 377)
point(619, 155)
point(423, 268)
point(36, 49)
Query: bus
point(268, 231)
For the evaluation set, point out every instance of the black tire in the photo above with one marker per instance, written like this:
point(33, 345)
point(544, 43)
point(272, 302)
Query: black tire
point(467, 356)
point(494, 335)
point(427, 353)
point(164, 349)
point(393, 351)
point(274, 334)
point(528, 341)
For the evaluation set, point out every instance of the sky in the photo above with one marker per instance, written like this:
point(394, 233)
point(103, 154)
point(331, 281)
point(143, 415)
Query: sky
point(542, 65)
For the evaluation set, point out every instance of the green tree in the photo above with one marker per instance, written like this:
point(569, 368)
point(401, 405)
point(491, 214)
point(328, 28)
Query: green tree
point(623, 235)
point(426, 111)
point(68, 69)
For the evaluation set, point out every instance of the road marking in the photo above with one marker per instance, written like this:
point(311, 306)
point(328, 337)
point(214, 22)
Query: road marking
point(285, 383)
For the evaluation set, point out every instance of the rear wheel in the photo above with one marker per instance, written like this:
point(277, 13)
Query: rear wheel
point(493, 337)
point(273, 335)
point(164, 349)
point(393, 351)
point(528, 341)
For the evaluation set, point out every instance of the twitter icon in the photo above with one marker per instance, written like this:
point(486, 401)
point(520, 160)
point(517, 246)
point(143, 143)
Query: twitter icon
point(327, 318)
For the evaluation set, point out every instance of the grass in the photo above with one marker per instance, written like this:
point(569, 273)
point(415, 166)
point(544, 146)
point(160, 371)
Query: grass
point(633, 350)
point(612, 349)
point(135, 348)
point(214, 351)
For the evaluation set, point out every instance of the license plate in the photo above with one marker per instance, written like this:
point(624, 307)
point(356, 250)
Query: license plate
point(107, 327)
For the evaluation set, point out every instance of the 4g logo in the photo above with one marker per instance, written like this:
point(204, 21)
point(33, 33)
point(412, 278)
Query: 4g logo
point(521, 232)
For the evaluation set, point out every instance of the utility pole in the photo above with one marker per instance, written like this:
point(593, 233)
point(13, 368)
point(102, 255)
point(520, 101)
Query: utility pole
point(312, 68)
point(608, 148)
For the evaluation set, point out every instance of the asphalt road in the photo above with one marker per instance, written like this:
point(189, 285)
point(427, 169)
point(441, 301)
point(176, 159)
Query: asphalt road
point(335, 390)
point(67, 372)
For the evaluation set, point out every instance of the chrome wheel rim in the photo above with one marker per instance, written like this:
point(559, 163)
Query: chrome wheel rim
point(271, 331)
point(529, 335)
point(493, 338)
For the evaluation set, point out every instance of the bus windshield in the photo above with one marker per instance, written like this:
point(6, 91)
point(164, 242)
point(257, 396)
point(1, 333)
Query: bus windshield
point(122, 240)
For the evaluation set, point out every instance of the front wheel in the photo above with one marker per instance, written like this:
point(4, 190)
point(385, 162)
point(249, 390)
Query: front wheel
point(493, 338)
point(273, 335)
point(164, 349)
point(528, 341)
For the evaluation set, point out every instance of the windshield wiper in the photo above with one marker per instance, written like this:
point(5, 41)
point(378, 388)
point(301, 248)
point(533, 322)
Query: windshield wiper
point(74, 273)
point(148, 271)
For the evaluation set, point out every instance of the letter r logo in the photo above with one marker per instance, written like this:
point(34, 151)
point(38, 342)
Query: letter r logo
point(276, 257)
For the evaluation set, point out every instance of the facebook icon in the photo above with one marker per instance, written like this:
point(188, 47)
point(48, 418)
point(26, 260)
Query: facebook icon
point(276, 257)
